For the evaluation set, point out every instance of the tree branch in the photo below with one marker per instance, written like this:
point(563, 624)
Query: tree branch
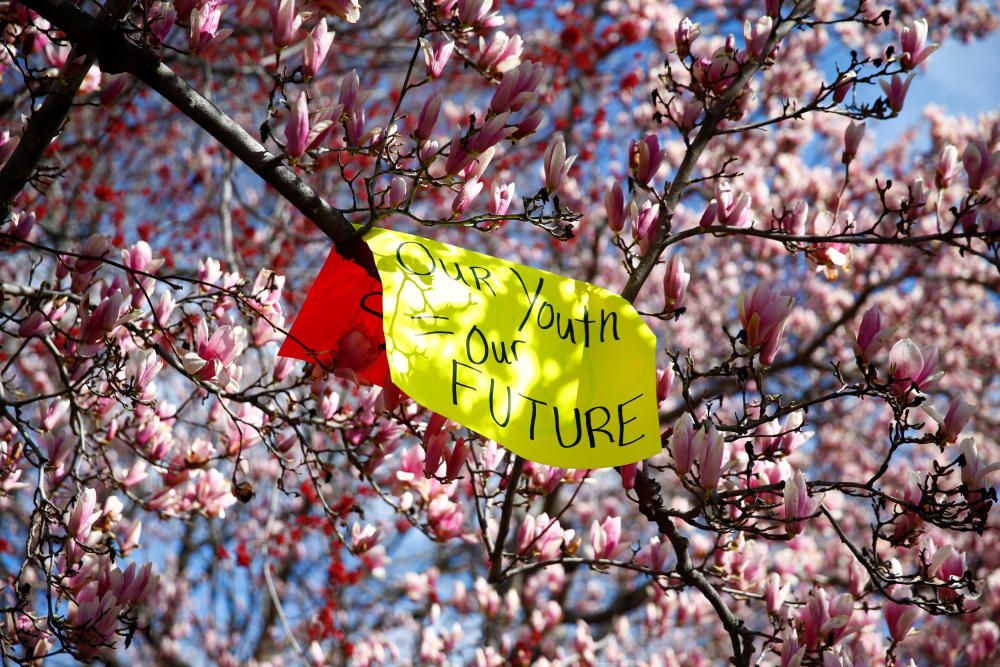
point(496, 558)
point(675, 191)
point(651, 506)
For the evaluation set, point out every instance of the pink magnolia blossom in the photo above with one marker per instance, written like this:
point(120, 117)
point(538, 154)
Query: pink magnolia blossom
point(317, 47)
point(629, 473)
point(911, 367)
point(142, 367)
point(529, 124)
point(685, 448)
point(852, 139)
point(397, 191)
point(731, 209)
point(35, 324)
point(456, 459)
point(135, 584)
point(947, 565)
point(434, 450)
point(916, 201)
point(556, 164)
point(445, 517)
point(983, 641)
point(478, 14)
point(775, 593)
point(689, 114)
point(348, 10)
point(297, 128)
point(459, 156)
point(756, 36)
point(979, 163)
point(210, 494)
point(843, 85)
point(285, 22)
point(711, 455)
point(872, 336)
point(501, 53)
point(364, 537)
point(895, 91)
point(164, 308)
point(656, 554)
point(139, 258)
point(645, 158)
point(664, 381)
point(428, 117)
point(354, 126)
point(783, 438)
point(763, 314)
point(915, 47)
point(469, 191)
point(129, 539)
point(954, 420)
point(91, 253)
point(739, 214)
point(900, 619)
point(604, 537)
point(974, 470)
point(161, 18)
point(112, 87)
point(213, 360)
point(545, 536)
point(98, 324)
point(947, 167)
point(675, 283)
point(716, 73)
point(56, 54)
point(644, 226)
point(492, 132)
point(710, 214)
point(794, 221)
point(824, 618)
point(350, 93)
point(95, 616)
point(798, 504)
point(526, 534)
point(614, 207)
point(436, 55)
point(517, 88)
point(204, 32)
point(84, 515)
point(791, 652)
point(684, 36)
point(501, 197)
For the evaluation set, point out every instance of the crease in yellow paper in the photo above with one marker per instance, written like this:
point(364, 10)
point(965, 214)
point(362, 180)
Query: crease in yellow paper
point(559, 371)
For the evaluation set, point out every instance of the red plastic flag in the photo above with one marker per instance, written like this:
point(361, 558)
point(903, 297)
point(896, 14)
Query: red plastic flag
point(340, 323)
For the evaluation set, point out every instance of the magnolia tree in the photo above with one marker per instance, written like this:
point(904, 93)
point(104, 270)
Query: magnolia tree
point(827, 314)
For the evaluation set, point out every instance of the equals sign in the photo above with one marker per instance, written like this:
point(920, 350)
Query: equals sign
point(434, 318)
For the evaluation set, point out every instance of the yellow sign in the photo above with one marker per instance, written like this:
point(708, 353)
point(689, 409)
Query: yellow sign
point(558, 371)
